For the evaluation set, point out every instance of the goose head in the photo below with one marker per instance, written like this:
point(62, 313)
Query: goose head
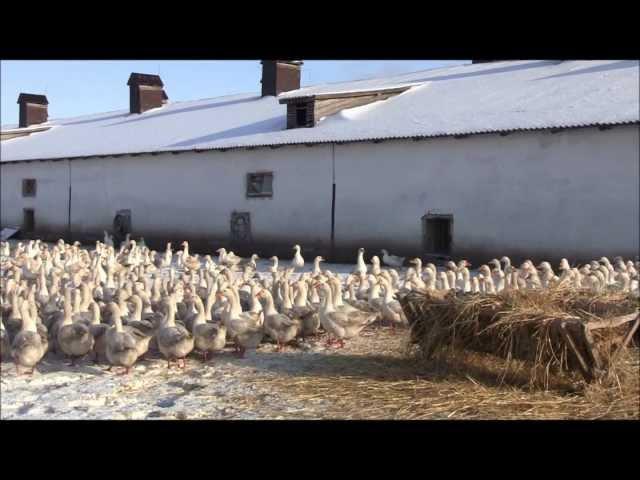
point(484, 270)
point(544, 266)
point(604, 260)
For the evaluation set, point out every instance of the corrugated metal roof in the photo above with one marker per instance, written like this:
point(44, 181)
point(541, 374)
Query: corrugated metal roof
point(460, 100)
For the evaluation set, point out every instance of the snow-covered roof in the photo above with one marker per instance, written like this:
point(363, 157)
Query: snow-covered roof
point(459, 100)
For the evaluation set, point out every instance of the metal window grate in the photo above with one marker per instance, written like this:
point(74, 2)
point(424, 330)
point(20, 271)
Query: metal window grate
point(260, 184)
point(29, 187)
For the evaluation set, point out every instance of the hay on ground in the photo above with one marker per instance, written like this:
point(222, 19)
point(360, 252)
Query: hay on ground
point(558, 330)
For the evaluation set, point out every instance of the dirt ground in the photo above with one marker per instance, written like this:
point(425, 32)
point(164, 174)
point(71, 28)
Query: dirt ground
point(371, 378)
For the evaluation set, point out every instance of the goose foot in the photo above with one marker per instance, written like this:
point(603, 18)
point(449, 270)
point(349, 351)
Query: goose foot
point(341, 343)
point(184, 363)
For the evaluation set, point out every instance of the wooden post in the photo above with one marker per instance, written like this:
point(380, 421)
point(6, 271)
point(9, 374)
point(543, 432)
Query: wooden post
point(586, 371)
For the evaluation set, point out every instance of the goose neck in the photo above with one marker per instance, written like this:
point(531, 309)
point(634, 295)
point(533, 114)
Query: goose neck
point(270, 308)
point(327, 301)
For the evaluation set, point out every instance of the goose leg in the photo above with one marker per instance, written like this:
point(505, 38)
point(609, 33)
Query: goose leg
point(168, 364)
point(204, 355)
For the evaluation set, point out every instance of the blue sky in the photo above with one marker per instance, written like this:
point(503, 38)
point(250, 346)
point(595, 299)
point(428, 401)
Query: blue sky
point(81, 87)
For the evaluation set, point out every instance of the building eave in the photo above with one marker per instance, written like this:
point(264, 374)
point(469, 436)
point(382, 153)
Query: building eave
point(418, 137)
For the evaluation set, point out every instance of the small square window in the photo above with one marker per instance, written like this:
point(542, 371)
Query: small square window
point(260, 184)
point(28, 220)
point(29, 187)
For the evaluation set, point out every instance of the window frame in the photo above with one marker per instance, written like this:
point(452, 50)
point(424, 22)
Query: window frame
point(250, 180)
point(29, 192)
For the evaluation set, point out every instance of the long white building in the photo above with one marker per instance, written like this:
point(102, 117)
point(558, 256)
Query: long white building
point(535, 159)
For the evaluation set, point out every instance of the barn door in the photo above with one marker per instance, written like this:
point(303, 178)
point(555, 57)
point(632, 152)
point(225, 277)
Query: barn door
point(122, 225)
point(437, 231)
point(241, 229)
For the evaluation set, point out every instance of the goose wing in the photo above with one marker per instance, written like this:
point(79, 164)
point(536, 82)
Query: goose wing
point(122, 341)
point(173, 335)
point(208, 330)
point(25, 340)
point(351, 319)
point(143, 327)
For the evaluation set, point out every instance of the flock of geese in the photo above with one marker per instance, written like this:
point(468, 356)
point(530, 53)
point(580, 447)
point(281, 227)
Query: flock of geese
point(117, 304)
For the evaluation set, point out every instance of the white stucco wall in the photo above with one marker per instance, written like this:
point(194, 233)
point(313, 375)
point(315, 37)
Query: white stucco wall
point(572, 193)
point(192, 195)
point(52, 194)
point(575, 191)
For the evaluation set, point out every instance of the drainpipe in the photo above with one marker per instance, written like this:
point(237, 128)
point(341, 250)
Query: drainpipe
point(69, 205)
point(333, 201)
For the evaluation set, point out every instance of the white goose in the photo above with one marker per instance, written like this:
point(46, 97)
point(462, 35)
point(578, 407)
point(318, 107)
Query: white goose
point(361, 267)
point(342, 325)
point(375, 265)
point(391, 309)
point(316, 265)
point(27, 348)
point(274, 267)
point(297, 261)
point(392, 260)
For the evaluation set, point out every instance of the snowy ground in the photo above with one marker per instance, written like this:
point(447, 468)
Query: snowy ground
point(225, 387)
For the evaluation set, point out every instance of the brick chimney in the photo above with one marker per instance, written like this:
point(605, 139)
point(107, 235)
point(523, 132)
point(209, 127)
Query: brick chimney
point(145, 92)
point(33, 109)
point(280, 76)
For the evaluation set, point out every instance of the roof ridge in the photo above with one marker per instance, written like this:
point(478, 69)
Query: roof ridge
point(124, 110)
point(381, 77)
